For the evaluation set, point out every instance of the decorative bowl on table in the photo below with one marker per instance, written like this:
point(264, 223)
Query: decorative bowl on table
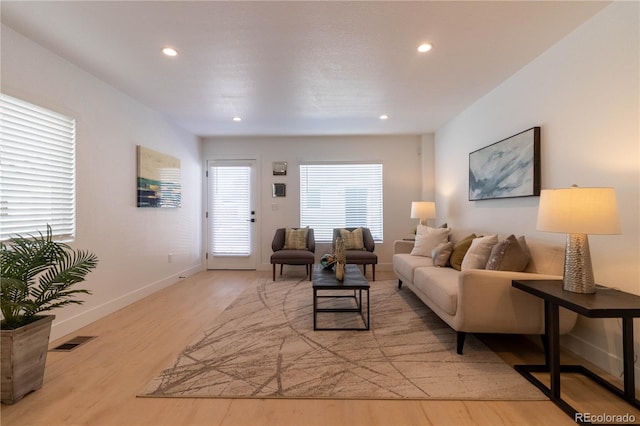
point(327, 261)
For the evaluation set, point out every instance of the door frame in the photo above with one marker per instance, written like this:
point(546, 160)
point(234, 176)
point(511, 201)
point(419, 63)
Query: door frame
point(205, 204)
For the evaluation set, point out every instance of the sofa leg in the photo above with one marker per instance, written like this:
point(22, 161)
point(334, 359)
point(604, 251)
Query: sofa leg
point(399, 283)
point(281, 266)
point(373, 271)
point(274, 271)
point(460, 344)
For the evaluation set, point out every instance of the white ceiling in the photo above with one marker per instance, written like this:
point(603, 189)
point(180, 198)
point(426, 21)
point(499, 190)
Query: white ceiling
point(301, 68)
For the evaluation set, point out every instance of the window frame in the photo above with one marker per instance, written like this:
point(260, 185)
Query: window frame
point(37, 170)
point(351, 178)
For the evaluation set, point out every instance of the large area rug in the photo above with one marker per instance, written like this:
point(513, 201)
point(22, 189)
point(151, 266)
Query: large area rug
point(263, 346)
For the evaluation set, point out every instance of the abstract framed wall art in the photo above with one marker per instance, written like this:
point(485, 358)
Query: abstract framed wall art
point(506, 169)
point(158, 179)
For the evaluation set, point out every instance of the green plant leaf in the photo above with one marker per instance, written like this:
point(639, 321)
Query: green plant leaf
point(37, 274)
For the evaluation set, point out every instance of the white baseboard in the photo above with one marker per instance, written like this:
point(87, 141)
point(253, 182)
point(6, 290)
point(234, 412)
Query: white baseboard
point(598, 356)
point(69, 325)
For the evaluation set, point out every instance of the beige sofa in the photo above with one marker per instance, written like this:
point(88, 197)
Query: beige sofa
point(478, 300)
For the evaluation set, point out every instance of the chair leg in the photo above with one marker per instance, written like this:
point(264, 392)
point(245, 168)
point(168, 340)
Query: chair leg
point(399, 283)
point(274, 271)
point(310, 271)
point(281, 266)
point(373, 269)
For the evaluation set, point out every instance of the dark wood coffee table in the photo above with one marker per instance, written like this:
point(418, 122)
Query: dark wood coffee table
point(354, 282)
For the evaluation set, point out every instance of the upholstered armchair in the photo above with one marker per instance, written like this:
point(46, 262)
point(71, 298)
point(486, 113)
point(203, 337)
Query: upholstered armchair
point(358, 250)
point(292, 247)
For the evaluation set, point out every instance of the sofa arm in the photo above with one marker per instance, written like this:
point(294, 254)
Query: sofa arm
point(488, 302)
point(402, 246)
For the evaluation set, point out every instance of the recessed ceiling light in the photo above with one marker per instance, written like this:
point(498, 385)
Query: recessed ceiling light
point(170, 51)
point(425, 47)
point(237, 119)
point(384, 117)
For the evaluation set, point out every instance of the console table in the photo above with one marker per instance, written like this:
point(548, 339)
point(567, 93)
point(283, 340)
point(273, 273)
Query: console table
point(605, 303)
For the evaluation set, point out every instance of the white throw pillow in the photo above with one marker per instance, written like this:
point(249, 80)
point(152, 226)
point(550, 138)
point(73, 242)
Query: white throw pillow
point(441, 254)
point(428, 240)
point(424, 229)
point(479, 252)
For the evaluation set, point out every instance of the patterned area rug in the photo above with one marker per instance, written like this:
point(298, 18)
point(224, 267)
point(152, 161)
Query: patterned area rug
point(263, 346)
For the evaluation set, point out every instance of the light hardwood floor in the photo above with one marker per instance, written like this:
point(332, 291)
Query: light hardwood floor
point(96, 384)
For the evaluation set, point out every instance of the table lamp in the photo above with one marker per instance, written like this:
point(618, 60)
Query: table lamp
point(423, 210)
point(578, 212)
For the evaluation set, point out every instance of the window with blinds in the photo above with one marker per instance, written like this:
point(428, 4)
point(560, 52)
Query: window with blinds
point(341, 195)
point(37, 170)
point(230, 208)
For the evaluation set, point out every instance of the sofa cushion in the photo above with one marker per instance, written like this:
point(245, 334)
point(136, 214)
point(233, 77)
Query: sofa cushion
point(361, 256)
point(459, 250)
point(441, 254)
point(292, 257)
point(439, 285)
point(510, 254)
point(352, 239)
point(295, 239)
point(479, 252)
point(427, 239)
point(404, 264)
point(546, 258)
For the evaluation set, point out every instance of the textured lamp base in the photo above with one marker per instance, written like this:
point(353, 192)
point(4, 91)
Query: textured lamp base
point(578, 272)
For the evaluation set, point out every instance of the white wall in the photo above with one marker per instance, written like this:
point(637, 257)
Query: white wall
point(401, 160)
point(132, 243)
point(428, 171)
point(584, 93)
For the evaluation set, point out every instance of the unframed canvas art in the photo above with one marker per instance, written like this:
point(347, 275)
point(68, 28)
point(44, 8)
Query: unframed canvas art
point(158, 179)
point(505, 169)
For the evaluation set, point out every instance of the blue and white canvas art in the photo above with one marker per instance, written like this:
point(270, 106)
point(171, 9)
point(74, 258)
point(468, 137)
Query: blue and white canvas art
point(506, 169)
point(158, 179)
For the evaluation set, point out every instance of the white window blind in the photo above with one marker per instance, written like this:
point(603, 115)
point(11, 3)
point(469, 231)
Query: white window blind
point(230, 210)
point(340, 195)
point(37, 170)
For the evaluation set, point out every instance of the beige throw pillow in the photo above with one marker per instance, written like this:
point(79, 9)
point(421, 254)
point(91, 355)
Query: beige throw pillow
point(441, 254)
point(427, 239)
point(424, 229)
point(510, 254)
point(479, 252)
point(295, 239)
point(352, 239)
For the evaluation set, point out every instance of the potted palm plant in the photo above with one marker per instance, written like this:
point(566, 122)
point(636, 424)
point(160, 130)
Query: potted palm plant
point(37, 274)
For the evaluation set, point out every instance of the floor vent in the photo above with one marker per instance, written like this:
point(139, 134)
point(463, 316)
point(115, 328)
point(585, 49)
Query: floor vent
point(72, 344)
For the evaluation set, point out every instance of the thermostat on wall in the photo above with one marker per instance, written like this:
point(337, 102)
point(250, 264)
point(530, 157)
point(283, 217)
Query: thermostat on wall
point(279, 190)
